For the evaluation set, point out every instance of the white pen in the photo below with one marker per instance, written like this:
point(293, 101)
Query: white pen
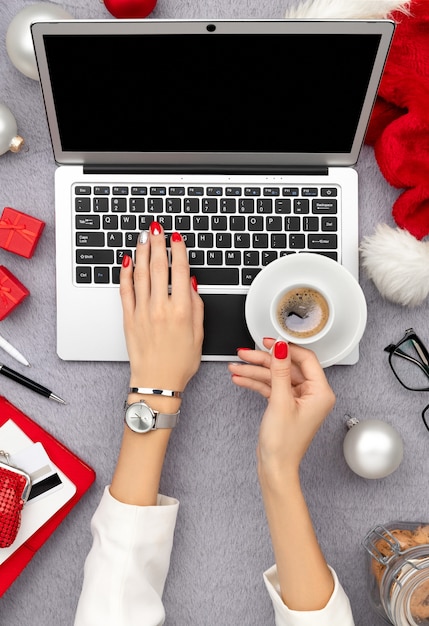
point(8, 347)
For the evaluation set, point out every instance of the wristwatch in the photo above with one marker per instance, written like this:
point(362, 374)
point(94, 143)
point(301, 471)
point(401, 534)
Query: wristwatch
point(141, 418)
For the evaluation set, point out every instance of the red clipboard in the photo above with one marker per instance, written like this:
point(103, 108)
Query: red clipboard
point(73, 467)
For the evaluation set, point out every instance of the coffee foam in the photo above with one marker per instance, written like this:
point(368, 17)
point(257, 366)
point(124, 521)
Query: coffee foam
point(302, 312)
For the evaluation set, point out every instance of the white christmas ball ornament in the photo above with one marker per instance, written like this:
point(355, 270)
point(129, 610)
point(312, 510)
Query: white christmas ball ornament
point(372, 448)
point(9, 138)
point(19, 44)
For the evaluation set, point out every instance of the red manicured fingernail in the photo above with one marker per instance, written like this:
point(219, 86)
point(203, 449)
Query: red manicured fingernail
point(243, 349)
point(126, 260)
point(176, 237)
point(269, 338)
point(155, 228)
point(194, 283)
point(280, 350)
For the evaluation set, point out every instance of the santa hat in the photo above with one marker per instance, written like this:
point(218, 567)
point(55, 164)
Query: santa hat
point(395, 259)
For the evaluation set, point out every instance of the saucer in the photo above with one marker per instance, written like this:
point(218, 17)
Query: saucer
point(346, 294)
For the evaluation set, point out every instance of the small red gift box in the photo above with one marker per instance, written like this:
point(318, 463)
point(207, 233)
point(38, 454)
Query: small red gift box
point(19, 232)
point(12, 292)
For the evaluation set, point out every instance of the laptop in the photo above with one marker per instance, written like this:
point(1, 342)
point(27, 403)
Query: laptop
point(239, 134)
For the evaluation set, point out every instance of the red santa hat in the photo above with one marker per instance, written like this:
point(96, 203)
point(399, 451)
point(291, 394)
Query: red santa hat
point(395, 258)
point(399, 126)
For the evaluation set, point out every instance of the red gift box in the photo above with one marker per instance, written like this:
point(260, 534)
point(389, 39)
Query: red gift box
point(12, 292)
point(19, 232)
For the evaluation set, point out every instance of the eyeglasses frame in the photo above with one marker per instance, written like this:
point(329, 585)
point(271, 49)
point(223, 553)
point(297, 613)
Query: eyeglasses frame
point(423, 364)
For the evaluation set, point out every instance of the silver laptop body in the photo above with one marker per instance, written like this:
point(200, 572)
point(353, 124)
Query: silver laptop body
point(249, 110)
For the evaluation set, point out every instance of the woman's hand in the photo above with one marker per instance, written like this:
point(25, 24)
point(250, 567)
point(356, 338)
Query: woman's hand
point(164, 333)
point(299, 399)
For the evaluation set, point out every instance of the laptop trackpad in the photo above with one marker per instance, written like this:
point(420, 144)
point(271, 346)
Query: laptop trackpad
point(225, 327)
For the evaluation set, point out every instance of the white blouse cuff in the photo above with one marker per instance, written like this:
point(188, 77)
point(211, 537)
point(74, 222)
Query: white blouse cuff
point(337, 612)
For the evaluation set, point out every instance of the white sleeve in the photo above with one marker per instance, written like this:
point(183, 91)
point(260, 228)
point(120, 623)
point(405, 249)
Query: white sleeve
point(336, 613)
point(127, 565)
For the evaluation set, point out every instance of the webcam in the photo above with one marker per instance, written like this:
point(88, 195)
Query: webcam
point(211, 28)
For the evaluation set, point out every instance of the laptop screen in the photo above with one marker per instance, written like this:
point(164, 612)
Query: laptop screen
point(220, 94)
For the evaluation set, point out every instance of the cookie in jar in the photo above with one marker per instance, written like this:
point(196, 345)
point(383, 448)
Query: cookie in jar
point(399, 572)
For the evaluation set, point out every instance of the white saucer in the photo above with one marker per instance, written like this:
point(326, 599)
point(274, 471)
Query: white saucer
point(344, 290)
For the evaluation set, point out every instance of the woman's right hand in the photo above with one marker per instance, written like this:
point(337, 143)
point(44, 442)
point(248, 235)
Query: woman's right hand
point(299, 399)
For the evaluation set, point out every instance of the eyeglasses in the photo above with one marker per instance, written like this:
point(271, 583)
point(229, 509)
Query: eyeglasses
point(409, 360)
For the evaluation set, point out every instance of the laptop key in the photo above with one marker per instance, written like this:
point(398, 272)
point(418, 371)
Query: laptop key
point(87, 222)
point(324, 206)
point(329, 223)
point(102, 257)
point(101, 275)
point(328, 191)
point(100, 205)
point(322, 241)
point(83, 274)
point(252, 191)
point(82, 205)
point(216, 275)
point(196, 191)
point(120, 191)
point(214, 191)
point(90, 239)
point(248, 275)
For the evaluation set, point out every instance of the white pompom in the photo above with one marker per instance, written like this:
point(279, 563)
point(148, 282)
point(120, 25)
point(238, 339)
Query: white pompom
point(351, 9)
point(398, 264)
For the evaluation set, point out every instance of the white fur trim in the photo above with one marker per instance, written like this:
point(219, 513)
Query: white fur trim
point(398, 264)
point(347, 9)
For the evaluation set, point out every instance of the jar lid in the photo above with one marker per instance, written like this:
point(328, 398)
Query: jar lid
point(409, 599)
point(383, 543)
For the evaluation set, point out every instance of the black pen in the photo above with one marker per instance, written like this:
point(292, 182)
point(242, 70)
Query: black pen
point(30, 384)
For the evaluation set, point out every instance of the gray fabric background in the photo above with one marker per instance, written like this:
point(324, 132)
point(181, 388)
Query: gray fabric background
point(222, 543)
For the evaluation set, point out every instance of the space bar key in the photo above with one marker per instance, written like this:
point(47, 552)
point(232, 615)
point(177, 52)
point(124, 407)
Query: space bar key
point(215, 275)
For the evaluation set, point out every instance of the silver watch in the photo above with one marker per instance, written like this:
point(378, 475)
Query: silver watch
point(141, 418)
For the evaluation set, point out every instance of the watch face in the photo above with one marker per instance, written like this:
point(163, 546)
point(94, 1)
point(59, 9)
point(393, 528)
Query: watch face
point(139, 417)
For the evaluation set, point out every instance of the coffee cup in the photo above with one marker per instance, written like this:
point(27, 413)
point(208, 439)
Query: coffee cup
point(302, 313)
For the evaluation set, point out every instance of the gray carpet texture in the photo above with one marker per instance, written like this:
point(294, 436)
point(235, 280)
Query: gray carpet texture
point(222, 543)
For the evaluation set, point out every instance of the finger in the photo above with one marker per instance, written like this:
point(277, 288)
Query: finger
point(158, 265)
point(307, 363)
point(253, 385)
point(126, 286)
point(141, 277)
point(197, 305)
point(180, 273)
point(268, 342)
point(253, 372)
point(256, 357)
point(281, 384)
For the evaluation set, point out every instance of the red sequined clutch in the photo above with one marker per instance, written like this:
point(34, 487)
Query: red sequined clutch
point(15, 487)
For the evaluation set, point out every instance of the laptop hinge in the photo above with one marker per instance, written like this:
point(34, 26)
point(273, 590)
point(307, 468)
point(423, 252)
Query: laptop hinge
point(204, 169)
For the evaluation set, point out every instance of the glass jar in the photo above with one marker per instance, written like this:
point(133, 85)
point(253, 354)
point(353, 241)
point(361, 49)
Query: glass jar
point(399, 572)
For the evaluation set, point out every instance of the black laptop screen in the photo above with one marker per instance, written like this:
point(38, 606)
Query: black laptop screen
point(292, 93)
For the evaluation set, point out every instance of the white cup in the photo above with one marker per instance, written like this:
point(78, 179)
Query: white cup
point(302, 313)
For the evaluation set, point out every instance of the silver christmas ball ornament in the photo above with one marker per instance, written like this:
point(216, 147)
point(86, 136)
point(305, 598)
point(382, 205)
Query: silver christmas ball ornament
point(372, 448)
point(19, 44)
point(9, 138)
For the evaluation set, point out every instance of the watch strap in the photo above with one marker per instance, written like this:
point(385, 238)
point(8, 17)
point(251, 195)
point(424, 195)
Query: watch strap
point(166, 420)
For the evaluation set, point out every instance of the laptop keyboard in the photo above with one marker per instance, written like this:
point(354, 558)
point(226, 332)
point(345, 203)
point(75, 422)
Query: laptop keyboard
point(231, 232)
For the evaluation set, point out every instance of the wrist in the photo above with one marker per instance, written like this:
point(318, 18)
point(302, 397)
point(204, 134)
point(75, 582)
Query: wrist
point(278, 477)
point(163, 404)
